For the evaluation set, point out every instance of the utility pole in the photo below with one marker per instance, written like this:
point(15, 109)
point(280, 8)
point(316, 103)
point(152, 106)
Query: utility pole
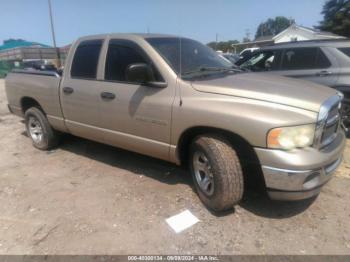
point(216, 41)
point(53, 36)
point(247, 34)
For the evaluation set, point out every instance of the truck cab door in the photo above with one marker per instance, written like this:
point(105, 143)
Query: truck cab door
point(80, 90)
point(134, 116)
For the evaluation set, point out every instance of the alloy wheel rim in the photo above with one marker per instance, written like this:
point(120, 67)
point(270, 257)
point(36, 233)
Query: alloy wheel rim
point(35, 129)
point(203, 173)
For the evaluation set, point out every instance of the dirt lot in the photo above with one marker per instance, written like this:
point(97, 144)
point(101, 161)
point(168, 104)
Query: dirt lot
point(89, 198)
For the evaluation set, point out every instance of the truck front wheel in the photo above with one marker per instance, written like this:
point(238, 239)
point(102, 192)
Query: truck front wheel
point(216, 172)
point(38, 128)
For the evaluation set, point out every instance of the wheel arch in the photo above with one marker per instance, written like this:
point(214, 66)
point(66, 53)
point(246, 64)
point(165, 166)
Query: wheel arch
point(245, 151)
point(27, 102)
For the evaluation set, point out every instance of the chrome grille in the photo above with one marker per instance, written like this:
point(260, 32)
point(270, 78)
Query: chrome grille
point(329, 121)
point(331, 125)
point(333, 113)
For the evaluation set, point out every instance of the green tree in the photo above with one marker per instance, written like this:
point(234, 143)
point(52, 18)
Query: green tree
point(225, 46)
point(336, 17)
point(273, 27)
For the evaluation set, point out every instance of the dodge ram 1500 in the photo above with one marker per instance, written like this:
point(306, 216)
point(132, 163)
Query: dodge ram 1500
point(176, 99)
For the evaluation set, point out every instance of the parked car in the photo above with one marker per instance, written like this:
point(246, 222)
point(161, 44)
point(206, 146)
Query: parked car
point(246, 54)
point(224, 58)
point(326, 62)
point(229, 59)
point(233, 58)
point(39, 65)
point(248, 51)
point(177, 100)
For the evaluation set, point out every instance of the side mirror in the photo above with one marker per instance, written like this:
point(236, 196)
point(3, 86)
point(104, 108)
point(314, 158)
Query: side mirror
point(142, 73)
point(139, 73)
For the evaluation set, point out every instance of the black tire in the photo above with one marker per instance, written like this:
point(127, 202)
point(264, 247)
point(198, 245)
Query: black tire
point(225, 169)
point(49, 138)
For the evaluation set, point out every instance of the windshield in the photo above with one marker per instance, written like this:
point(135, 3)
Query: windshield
point(195, 57)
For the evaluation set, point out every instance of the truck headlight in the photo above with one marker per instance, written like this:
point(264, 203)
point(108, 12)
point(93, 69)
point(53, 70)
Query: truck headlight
point(288, 138)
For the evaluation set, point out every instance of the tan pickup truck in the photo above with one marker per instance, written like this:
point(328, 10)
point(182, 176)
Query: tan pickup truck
point(175, 99)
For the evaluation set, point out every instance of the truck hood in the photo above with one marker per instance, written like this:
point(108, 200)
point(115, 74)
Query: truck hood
point(268, 87)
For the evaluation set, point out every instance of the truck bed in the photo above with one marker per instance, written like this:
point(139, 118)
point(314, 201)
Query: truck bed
point(28, 86)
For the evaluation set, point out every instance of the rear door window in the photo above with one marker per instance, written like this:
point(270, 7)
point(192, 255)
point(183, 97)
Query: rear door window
point(304, 58)
point(299, 58)
point(85, 59)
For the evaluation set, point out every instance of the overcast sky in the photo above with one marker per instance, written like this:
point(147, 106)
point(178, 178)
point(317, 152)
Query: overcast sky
point(198, 19)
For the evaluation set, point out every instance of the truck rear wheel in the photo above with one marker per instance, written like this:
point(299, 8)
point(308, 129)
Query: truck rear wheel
point(38, 128)
point(216, 172)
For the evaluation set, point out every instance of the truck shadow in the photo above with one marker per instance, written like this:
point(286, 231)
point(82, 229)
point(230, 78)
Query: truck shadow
point(254, 200)
point(135, 163)
point(259, 204)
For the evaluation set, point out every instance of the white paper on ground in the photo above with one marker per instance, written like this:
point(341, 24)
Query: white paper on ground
point(182, 221)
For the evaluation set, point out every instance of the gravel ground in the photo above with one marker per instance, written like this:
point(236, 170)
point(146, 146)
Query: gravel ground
point(89, 198)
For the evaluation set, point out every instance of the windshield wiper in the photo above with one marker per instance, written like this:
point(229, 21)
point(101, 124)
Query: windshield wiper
point(203, 69)
point(211, 69)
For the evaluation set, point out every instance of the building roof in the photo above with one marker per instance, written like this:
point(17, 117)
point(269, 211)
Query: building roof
point(316, 33)
point(14, 43)
point(270, 39)
point(319, 32)
point(264, 38)
point(258, 42)
point(65, 47)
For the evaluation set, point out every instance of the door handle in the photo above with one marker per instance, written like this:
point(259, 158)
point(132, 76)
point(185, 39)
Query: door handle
point(68, 90)
point(324, 73)
point(107, 95)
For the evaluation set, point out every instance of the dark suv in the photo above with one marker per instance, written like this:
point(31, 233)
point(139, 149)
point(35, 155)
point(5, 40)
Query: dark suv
point(324, 61)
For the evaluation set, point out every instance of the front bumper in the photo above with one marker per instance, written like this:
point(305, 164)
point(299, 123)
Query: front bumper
point(300, 173)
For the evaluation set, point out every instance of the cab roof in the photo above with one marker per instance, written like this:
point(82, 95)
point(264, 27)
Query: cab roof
point(310, 43)
point(127, 35)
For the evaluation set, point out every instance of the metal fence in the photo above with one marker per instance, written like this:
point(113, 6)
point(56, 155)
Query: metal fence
point(13, 58)
point(22, 53)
